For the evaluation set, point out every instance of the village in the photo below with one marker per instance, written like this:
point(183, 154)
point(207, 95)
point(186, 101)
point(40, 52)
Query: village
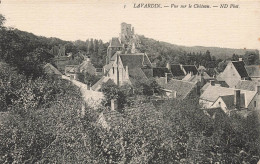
point(236, 90)
point(124, 82)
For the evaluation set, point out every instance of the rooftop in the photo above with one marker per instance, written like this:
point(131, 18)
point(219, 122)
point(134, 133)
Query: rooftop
point(115, 42)
point(247, 85)
point(182, 88)
point(176, 70)
point(212, 93)
point(240, 67)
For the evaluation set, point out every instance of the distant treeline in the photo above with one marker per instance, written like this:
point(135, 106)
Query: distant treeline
point(29, 52)
point(210, 57)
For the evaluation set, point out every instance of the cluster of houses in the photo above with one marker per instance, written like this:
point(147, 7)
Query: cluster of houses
point(236, 89)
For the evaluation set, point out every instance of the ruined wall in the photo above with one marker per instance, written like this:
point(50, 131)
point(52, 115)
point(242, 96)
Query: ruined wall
point(127, 32)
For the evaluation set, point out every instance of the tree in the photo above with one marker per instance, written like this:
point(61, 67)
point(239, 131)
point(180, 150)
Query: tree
point(112, 91)
point(251, 57)
point(2, 21)
point(87, 78)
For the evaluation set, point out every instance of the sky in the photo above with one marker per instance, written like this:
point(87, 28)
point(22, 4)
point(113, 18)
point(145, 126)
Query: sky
point(81, 19)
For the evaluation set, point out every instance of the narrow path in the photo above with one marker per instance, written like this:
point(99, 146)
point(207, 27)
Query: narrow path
point(92, 98)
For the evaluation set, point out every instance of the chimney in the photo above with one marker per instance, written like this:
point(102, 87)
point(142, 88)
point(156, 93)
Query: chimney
point(240, 59)
point(183, 69)
point(114, 104)
point(212, 82)
point(174, 94)
point(258, 89)
point(88, 59)
point(88, 86)
point(168, 66)
point(166, 78)
point(237, 99)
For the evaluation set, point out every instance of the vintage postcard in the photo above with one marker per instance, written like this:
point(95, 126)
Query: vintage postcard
point(95, 81)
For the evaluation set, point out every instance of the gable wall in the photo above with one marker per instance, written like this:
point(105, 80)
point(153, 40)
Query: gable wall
point(230, 75)
point(123, 75)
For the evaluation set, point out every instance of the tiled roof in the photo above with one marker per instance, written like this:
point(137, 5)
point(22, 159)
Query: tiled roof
point(86, 65)
point(205, 87)
point(240, 67)
point(247, 85)
point(190, 68)
point(99, 83)
point(135, 60)
point(49, 68)
point(195, 78)
point(253, 70)
point(148, 72)
point(115, 42)
point(212, 93)
point(132, 61)
point(176, 70)
point(229, 100)
point(182, 88)
point(160, 72)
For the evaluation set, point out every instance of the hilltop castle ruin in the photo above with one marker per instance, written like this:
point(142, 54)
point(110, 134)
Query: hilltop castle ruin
point(125, 43)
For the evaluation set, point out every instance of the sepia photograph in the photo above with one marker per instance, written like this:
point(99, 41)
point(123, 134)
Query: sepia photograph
point(138, 82)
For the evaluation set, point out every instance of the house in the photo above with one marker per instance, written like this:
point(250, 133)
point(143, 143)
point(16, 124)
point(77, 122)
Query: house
point(230, 102)
point(179, 71)
point(178, 89)
point(253, 72)
point(51, 70)
point(234, 72)
point(87, 67)
point(229, 98)
point(127, 68)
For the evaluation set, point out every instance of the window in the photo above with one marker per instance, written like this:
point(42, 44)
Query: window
point(219, 103)
point(254, 103)
point(113, 70)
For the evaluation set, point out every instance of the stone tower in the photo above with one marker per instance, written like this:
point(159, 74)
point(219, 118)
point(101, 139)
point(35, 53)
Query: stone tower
point(126, 32)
